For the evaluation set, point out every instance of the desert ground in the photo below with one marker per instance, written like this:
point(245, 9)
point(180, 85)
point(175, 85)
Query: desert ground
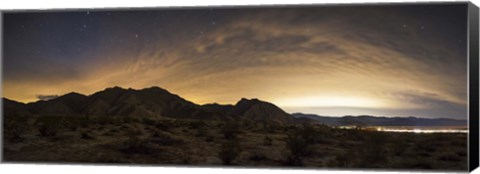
point(143, 141)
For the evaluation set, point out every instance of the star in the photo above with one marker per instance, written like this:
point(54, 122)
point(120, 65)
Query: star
point(404, 25)
point(136, 35)
point(83, 27)
point(213, 23)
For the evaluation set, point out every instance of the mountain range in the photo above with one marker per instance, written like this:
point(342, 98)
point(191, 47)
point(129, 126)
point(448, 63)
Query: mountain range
point(151, 102)
point(367, 120)
point(155, 102)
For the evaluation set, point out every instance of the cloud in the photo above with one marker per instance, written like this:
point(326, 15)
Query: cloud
point(46, 97)
point(396, 56)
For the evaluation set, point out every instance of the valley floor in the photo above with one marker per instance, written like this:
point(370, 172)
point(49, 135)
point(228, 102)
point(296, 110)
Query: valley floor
point(212, 143)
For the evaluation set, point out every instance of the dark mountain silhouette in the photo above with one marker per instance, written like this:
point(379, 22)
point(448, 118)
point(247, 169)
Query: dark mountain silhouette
point(151, 102)
point(68, 104)
point(11, 104)
point(155, 102)
point(366, 120)
point(260, 112)
point(15, 108)
point(148, 102)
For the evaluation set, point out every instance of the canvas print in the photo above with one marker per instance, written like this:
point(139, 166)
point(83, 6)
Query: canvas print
point(314, 86)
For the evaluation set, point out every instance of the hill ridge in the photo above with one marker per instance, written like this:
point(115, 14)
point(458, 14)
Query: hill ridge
point(153, 102)
point(156, 102)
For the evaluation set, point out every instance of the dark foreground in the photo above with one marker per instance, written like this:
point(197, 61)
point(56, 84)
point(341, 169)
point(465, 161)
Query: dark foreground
point(192, 142)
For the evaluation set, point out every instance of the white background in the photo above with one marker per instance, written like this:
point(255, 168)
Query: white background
point(84, 169)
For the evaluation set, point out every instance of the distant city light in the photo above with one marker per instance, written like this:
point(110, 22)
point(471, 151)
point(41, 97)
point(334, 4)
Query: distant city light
point(406, 129)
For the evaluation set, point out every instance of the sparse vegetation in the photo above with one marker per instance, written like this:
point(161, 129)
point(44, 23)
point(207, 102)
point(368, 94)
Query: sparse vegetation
point(297, 147)
point(15, 127)
point(197, 124)
point(185, 155)
point(135, 144)
point(209, 138)
point(373, 150)
point(229, 151)
point(267, 141)
point(227, 139)
point(165, 139)
point(87, 136)
point(230, 130)
point(50, 125)
point(257, 156)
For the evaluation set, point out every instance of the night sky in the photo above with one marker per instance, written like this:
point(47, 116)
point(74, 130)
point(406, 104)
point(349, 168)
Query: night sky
point(329, 60)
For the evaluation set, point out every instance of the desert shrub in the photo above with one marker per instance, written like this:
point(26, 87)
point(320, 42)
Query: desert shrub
point(415, 164)
point(185, 155)
point(201, 132)
point(257, 156)
point(297, 148)
point(15, 127)
point(111, 132)
point(149, 121)
point(341, 160)
point(229, 151)
point(120, 120)
point(267, 141)
point(230, 130)
point(148, 129)
point(104, 120)
point(49, 125)
point(209, 138)
point(449, 157)
point(219, 125)
point(373, 150)
point(108, 133)
point(134, 144)
point(309, 134)
point(346, 158)
point(324, 132)
point(426, 146)
point(354, 134)
point(73, 123)
point(196, 124)
point(246, 124)
point(164, 139)
point(87, 136)
point(399, 147)
point(163, 125)
point(115, 119)
point(180, 123)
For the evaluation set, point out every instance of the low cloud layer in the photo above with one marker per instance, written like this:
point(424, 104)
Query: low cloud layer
point(46, 97)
